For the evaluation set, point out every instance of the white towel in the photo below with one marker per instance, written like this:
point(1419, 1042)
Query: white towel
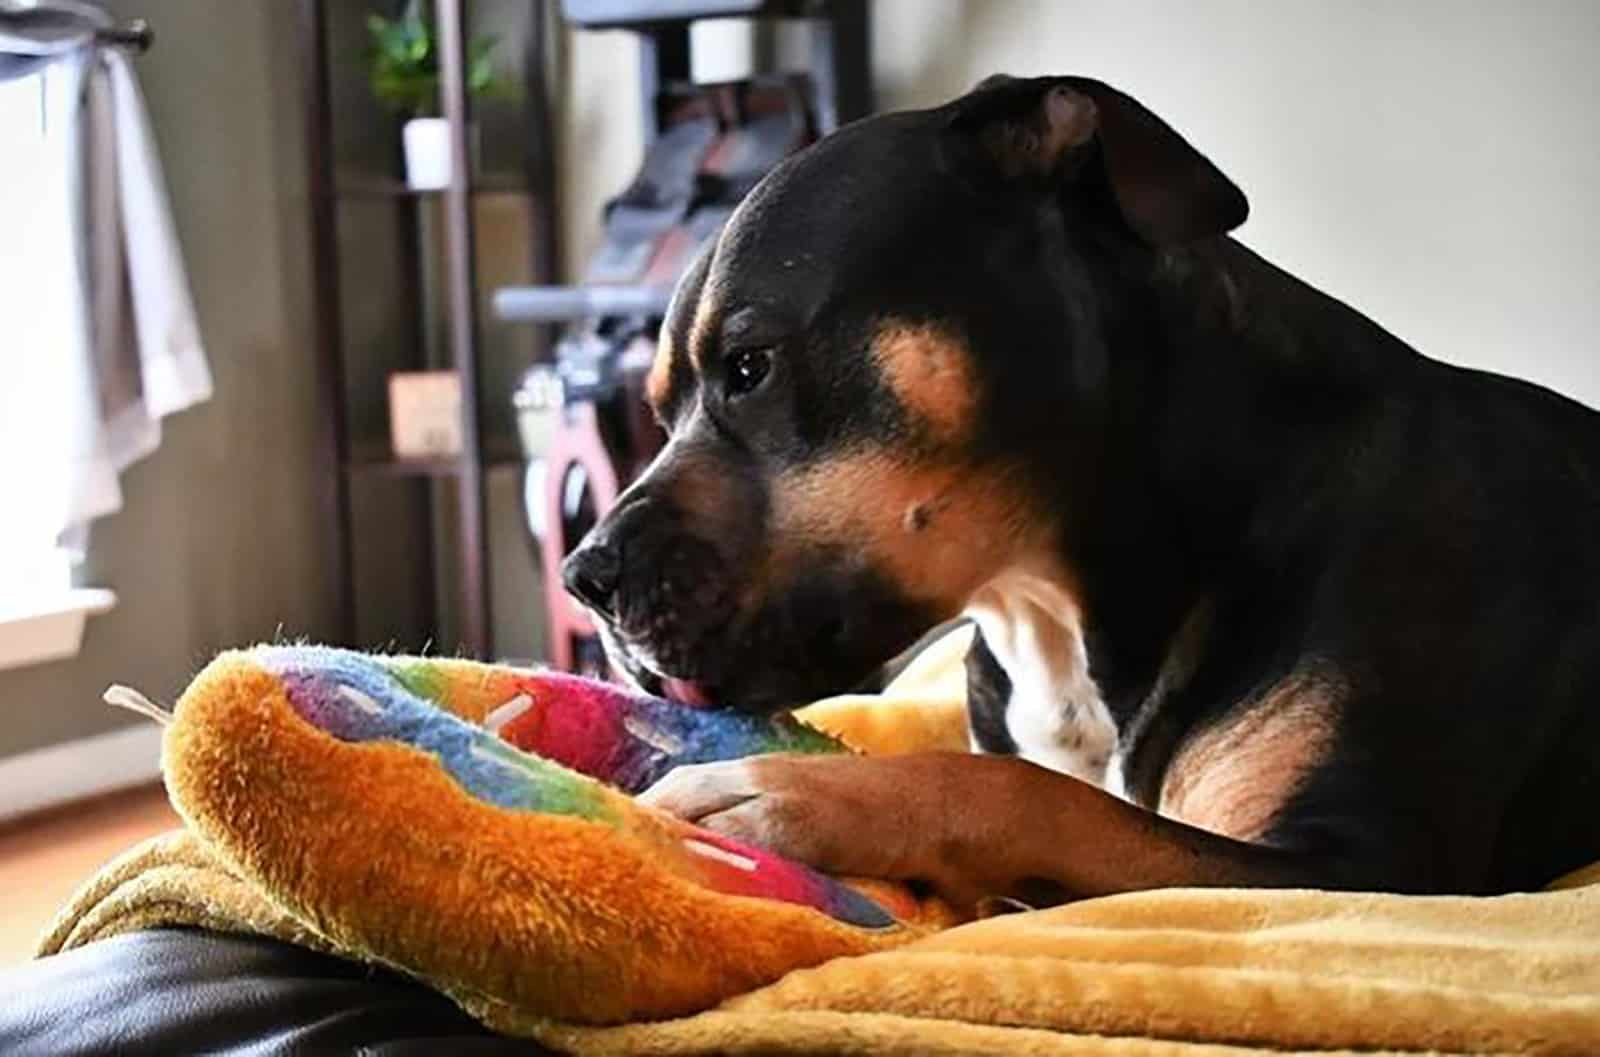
point(98, 331)
point(101, 340)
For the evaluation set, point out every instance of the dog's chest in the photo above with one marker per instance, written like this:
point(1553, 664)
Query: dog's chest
point(1050, 711)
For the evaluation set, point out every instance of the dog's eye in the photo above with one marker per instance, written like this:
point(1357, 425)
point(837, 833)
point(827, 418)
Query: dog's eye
point(746, 369)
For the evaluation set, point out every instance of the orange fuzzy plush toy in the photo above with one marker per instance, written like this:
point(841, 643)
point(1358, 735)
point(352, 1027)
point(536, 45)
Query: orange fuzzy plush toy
point(431, 815)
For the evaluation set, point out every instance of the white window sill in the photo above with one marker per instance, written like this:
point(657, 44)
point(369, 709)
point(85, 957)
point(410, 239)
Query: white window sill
point(49, 629)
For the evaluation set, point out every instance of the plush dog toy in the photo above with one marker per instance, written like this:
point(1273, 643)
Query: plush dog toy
point(431, 815)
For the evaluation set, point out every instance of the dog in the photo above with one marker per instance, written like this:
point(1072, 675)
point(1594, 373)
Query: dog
point(1263, 596)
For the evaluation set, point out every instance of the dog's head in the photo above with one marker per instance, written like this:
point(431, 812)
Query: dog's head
point(883, 383)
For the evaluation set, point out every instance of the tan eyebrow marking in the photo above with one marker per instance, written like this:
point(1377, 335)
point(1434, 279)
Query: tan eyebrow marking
point(707, 314)
point(929, 370)
point(659, 380)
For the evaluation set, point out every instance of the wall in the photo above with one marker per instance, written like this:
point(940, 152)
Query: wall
point(221, 540)
point(1433, 162)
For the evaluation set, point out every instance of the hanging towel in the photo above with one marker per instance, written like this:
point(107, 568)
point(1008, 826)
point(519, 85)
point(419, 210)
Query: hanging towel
point(148, 357)
point(104, 338)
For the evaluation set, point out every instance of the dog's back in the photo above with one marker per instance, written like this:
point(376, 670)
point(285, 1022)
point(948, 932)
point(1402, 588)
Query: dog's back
point(1503, 477)
point(1445, 539)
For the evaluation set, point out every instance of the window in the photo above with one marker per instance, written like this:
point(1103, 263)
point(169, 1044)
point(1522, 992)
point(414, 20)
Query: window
point(44, 384)
point(36, 365)
point(98, 338)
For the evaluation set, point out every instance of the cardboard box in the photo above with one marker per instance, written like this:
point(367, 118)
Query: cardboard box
point(425, 414)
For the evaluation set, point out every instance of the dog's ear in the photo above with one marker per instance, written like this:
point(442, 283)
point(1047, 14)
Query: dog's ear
point(1057, 129)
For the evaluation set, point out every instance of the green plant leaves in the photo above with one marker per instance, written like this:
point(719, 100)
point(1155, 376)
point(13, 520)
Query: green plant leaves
point(404, 64)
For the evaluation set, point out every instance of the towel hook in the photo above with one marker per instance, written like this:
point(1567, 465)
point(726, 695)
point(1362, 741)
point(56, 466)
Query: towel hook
point(136, 36)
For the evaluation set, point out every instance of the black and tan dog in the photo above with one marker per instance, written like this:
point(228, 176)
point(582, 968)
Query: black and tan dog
point(1272, 598)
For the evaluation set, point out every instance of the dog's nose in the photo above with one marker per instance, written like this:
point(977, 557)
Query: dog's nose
point(590, 574)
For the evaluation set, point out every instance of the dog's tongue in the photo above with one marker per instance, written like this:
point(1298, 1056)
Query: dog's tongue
point(685, 692)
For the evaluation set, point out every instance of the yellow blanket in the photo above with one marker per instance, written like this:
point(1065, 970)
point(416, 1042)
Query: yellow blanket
point(1178, 973)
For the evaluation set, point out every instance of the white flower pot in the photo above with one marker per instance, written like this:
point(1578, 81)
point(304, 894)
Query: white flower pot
point(427, 142)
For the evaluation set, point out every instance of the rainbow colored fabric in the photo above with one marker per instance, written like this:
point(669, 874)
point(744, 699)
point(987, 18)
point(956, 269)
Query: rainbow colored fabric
point(550, 743)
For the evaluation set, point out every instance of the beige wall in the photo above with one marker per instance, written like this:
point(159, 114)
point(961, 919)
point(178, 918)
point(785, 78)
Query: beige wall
point(221, 541)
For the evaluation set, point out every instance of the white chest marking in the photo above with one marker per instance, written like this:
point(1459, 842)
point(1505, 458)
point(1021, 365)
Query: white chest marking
point(1055, 715)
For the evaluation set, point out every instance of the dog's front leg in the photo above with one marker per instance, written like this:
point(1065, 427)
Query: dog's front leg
point(971, 826)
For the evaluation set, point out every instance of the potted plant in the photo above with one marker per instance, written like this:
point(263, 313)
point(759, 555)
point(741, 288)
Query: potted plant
point(404, 56)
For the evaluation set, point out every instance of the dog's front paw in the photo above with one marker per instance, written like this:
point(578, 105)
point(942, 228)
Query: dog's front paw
point(841, 814)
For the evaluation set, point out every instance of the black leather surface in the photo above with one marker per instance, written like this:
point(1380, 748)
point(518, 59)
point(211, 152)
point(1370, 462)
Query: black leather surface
point(171, 992)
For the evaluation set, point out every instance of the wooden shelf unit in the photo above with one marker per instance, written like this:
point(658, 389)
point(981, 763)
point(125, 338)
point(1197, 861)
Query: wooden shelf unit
point(331, 187)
